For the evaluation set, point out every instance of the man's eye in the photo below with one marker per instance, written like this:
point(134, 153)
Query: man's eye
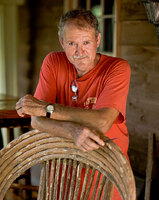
point(71, 43)
point(86, 42)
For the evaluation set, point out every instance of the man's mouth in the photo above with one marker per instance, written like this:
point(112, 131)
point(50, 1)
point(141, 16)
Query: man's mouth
point(79, 57)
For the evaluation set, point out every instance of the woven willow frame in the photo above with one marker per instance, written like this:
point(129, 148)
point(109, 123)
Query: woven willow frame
point(36, 147)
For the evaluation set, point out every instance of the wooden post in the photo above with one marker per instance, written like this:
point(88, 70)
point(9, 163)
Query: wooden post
point(149, 166)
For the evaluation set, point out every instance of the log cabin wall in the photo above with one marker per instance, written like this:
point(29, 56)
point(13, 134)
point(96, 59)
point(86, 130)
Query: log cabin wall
point(38, 21)
point(139, 46)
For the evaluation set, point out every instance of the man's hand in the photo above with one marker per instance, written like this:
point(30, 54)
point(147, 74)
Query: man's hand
point(87, 139)
point(31, 106)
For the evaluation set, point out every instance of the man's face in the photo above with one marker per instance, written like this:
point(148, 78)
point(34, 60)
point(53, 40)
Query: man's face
point(80, 46)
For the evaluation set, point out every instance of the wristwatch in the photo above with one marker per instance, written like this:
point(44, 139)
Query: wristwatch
point(49, 110)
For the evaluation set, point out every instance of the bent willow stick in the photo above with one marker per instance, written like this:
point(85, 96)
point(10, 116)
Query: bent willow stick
point(63, 165)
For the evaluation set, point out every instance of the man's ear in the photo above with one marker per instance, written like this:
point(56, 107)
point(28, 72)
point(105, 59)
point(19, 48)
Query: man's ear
point(98, 39)
point(61, 42)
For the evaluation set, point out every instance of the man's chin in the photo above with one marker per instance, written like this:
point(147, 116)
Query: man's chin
point(81, 65)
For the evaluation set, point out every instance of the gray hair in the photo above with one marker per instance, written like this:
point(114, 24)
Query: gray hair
point(80, 18)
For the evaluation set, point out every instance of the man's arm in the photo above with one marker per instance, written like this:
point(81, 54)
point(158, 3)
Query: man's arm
point(100, 120)
point(86, 127)
point(85, 138)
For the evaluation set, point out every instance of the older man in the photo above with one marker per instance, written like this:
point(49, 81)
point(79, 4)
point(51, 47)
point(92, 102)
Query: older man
point(81, 94)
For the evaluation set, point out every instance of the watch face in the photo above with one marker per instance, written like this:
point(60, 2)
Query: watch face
point(49, 110)
point(50, 107)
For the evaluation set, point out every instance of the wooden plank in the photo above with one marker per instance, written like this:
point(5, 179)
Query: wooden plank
point(145, 91)
point(132, 10)
point(149, 166)
point(142, 131)
point(138, 33)
point(135, 143)
point(143, 112)
point(140, 54)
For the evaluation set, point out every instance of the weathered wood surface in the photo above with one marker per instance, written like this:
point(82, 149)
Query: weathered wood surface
point(132, 10)
point(141, 56)
point(149, 166)
point(36, 147)
point(138, 33)
point(143, 101)
point(37, 35)
point(139, 46)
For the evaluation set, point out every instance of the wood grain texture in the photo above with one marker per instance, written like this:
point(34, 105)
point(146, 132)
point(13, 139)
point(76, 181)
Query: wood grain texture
point(37, 147)
point(149, 166)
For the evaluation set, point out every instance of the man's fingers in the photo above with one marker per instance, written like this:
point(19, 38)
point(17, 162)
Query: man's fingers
point(18, 107)
point(97, 139)
point(21, 106)
point(83, 148)
point(88, 145)
point(91, 144)
point(87, 139)
point(20, 112)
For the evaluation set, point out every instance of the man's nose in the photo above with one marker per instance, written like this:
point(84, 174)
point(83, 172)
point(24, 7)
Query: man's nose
point(79, 50)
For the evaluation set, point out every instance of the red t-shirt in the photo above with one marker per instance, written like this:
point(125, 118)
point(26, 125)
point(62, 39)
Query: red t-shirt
point(106, 85)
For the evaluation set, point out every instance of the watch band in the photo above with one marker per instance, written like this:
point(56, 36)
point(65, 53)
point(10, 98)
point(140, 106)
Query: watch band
point(49, 110)
point(48, 114)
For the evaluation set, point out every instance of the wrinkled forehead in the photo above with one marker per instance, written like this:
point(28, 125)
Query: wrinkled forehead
point(80, 23)
point(72, 30)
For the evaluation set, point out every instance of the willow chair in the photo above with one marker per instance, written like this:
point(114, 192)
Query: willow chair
point(62, 163)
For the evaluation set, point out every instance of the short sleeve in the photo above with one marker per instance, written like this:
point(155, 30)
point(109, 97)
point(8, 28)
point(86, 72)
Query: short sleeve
point(115, 90)
point(46, 88)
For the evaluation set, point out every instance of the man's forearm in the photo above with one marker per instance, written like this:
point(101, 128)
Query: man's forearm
point(57, 128)
point(100, 120)
point(85, 138)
